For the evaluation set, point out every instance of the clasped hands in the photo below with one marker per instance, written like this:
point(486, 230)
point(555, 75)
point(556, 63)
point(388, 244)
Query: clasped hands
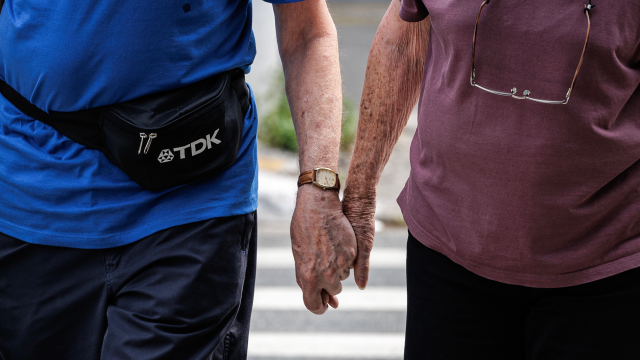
point(329, 238)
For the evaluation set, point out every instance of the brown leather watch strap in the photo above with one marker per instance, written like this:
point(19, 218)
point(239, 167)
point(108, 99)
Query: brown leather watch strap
point(306, 177)
point(337, 182)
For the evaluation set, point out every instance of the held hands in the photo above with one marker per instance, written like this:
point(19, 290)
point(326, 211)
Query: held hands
point(324, 247)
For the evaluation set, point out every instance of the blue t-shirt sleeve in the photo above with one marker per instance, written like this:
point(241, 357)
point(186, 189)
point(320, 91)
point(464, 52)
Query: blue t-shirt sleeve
point(413, 10)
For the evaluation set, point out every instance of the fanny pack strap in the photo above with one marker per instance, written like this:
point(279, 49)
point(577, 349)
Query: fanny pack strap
point(84, 126)
point(24, 105)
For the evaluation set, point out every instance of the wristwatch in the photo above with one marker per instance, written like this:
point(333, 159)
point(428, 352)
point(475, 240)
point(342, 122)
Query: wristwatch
point(323, 178)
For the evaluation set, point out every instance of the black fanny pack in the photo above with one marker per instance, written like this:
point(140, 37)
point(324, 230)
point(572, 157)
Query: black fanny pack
point(160, 140)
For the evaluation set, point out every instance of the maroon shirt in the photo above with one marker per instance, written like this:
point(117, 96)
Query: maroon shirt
point(516, 191)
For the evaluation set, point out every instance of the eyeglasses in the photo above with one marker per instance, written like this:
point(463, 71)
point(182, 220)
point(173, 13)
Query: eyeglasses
point(526, 95)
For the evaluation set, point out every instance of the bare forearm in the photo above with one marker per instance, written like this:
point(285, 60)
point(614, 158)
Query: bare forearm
point(312, 73)
point(323, 243)
point(391, 90)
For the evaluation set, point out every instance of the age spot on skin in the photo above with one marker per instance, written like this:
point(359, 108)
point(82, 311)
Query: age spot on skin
point(186, 7)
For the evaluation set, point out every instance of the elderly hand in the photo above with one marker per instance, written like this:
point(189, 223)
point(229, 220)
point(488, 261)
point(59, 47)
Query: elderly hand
point(359, 207)
point(324, 247)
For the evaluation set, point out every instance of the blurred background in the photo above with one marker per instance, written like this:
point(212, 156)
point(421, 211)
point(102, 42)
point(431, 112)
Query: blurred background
point(368, 324)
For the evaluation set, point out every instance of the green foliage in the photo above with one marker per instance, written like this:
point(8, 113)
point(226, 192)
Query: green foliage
point(276, 127)
point(349, 124)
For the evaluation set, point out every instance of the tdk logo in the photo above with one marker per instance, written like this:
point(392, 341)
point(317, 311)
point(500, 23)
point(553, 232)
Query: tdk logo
point(165, 156)
point(197, 147)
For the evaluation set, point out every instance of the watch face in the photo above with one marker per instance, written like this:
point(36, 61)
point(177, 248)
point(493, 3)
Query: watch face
point(325, 178)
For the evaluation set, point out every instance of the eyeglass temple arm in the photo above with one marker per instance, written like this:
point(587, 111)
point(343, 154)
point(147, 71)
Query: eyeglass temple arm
point(587, 10)
point(473, 50)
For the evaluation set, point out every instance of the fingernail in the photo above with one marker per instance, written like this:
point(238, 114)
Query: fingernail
point(361, 281)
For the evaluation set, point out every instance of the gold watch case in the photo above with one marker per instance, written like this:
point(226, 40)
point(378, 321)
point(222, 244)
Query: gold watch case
point(325, 178)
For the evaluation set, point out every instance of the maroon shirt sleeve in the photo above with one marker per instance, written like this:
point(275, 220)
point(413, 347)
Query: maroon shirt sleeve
point(413, 10)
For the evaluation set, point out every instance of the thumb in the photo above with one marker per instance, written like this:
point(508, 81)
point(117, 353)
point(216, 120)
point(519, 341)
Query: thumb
point(361, 266)
point(332, 300)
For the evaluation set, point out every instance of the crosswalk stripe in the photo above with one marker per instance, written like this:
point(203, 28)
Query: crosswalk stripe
point(351, 298)
point(282, 258)
point(327, 345)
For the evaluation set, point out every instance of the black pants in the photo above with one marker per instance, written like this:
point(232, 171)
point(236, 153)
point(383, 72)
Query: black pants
point(182, 293)
point(457, 315)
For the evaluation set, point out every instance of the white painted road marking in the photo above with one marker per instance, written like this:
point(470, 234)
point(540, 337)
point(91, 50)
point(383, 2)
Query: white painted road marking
point(376, 298)
point(327, 345)
point(282, 258)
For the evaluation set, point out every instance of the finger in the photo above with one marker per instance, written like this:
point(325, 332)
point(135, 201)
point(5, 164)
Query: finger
point(314, 302)
point(333, 301)
point(344, 275)
point(298, 279)
point(361, 270)
point(329, 299)
point(333, 288)
point(325, 298)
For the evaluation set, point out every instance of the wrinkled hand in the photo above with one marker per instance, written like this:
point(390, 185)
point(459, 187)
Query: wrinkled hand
point(324, 247)
point(360, 210)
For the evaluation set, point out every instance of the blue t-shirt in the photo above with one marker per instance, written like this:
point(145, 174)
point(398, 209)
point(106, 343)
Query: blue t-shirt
point(72, 55)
